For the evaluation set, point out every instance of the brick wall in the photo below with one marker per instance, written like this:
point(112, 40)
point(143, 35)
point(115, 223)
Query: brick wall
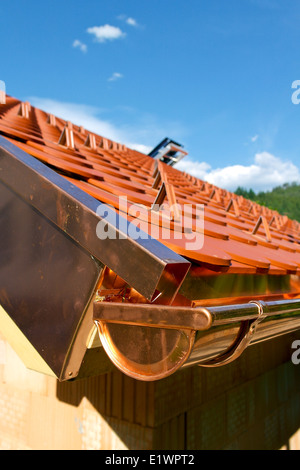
point(253, 403)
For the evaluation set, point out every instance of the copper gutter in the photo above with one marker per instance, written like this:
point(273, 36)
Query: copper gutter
point(208, 337)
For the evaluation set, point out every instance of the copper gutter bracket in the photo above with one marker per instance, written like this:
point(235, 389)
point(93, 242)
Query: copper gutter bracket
point(244, 338)
point(145, 341)
point(152, 316)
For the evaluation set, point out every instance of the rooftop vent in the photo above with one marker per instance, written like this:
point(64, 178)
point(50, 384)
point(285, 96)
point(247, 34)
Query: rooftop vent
point(168, 151)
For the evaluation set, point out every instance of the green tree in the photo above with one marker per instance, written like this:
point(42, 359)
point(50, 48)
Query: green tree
point(285, 199)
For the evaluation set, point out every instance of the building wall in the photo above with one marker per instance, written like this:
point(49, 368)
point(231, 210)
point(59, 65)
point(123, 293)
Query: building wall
point(253, 403)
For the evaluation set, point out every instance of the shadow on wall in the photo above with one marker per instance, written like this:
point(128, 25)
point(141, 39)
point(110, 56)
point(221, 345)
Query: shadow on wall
point(117, 401)
point(253, 403)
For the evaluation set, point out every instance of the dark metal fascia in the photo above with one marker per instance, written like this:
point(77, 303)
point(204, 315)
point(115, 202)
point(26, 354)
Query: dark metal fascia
point(145, 264)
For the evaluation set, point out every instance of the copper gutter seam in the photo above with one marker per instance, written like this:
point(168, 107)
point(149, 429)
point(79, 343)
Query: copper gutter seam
point(246, 318)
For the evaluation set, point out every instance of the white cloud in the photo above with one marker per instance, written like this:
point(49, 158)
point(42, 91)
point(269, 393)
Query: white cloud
point(78, 44)
point(254, 138)
point(142, 136)
point(141, 148)
point(106, 33)
point(266, 172)
point(80, 115)
point(131, 22)
point(115, 76)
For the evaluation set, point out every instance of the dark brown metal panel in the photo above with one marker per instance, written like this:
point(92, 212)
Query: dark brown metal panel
point(46, 279)
point(147, 265)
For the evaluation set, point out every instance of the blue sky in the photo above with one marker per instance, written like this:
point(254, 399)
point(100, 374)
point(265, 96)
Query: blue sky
point(214, 75)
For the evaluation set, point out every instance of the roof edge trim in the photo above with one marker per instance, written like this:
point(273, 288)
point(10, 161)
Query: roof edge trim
point(145, 264)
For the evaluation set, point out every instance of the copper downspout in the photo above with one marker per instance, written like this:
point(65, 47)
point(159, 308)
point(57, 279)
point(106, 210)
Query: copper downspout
point(132, 334)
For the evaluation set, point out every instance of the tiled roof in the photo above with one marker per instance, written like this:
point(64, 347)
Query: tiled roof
point(240, 236)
